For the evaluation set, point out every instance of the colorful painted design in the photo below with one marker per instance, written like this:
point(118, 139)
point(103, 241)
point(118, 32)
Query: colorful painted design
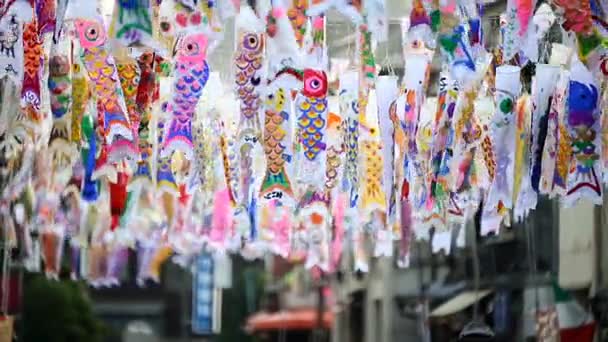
point(443, 141)
point(90, 191)
point(60, 86)
point(335, 152)
point(102, 72)
point(277, 125)
point(45, 14)
point(577, 15)
point(32, 54)
point(132, 22)
point(297, 16)
point(386, 93)
point(372, 197)
point(552, 148)
point(503, 131)
point(129, 79)
point(165, 181)
point(60, 95)
point(80, 98)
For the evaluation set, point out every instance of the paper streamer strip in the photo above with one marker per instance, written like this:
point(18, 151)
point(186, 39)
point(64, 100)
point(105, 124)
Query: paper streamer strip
point(165, 181)
point(584, 125)
point(297, 16)
point(524, 197)
point(442, 150)
point(386, 93)
point(543, 87)
point(16, 14)
point(349, 106)
point(503, 128)
point(553, 151)
point(80, 98)
point(577, 15)
point(52, 251)
point(129, 74)
point(373, 197)
point(315, 221)
point(45, 14)
point(335, 152)
point(90, 191)
point(32, 54)
point(132, 22)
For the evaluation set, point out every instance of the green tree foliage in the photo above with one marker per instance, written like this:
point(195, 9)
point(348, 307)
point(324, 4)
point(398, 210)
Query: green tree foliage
point(57, 311)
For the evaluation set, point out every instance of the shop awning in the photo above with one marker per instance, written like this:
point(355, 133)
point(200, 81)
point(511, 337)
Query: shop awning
point(459, 303)
point(303, 319)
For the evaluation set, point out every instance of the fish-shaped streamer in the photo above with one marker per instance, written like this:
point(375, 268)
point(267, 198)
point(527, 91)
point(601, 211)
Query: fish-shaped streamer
point(32, 54)
point(503, 135)
point(312, 123)
point(386, 93)
point(191, 75)
point(248, 62)
point(372, 195)
point(277, 144)
point(101, 68)
point(349, 106)
point(60, 91)
point(583, 126)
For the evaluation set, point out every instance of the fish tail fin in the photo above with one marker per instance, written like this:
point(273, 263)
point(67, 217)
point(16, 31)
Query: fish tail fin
point(276, 182)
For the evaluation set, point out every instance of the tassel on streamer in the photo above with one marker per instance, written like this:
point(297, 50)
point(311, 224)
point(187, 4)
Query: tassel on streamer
point(337, 242)
point(118, 198)
point(221, 220)
point(406, 227)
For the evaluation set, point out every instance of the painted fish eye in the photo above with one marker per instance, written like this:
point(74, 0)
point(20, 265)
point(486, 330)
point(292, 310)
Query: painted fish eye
point(191, 48)
point(92, 33)
point(251, 41)
point(165, 26)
